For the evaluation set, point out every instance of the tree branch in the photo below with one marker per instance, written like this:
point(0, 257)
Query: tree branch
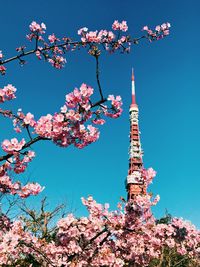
point(39, 252)
point(28, 144)
point(97, 76)
point(63, 45)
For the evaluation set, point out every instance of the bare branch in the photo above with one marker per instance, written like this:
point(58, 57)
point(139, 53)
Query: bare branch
point(97, 77)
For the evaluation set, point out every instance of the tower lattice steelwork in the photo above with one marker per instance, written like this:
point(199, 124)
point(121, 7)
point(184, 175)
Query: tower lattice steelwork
point(135, 184)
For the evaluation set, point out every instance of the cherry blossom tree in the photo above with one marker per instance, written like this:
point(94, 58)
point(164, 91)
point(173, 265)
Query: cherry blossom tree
point(128, 236)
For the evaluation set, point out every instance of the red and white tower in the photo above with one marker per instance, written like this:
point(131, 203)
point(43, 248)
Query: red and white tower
point(135, 181)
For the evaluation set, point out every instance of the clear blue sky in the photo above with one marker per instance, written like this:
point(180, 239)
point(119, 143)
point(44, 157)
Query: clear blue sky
point(167, 85)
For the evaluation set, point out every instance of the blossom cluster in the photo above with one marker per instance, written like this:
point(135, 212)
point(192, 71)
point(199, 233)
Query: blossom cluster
point(20, 161)
point(13, 145)
point(160, 31)
point(107, 39)
point(73, 125)
point(116, 110)
point(2, 68)
point(36, 31)
point(7, 93)
point(148, 175)
point(7, 186)
point(23, 121)
point(52, 55)
point(70, 125)
point(101, 36)
point(120, 26)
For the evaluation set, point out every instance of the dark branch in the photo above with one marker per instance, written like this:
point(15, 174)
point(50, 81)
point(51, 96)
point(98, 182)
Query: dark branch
point(63, 45)
point(28, 144)
point(97, 76)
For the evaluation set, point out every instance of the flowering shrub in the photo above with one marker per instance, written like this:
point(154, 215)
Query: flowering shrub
point(105, 238)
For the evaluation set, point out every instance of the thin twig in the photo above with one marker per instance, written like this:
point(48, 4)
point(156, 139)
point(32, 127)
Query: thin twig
point(39, 252)
point(97, 76)
point(28, 131)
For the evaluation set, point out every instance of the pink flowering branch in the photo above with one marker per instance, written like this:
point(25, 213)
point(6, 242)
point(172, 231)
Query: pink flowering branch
point(16, 188)
point(88, 38)
point(53, 50)
point(66, 127)
point(26, 145)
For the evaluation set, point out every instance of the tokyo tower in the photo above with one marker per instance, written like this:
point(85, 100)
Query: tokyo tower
point(135, 183)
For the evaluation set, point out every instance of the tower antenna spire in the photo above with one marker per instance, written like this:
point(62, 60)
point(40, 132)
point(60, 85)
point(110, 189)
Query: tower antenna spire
point(132, 76)
point(133, 87)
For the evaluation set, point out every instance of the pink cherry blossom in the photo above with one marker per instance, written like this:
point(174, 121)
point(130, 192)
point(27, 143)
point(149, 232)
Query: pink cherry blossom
point(7, 93)
point(116, 110)
point(160, 31)
point(98, 121)
point(82, 30)
point(102, 36)
point(35, 27)
point(2, 69)
point(30, 189)
point(38, 54)
point(7, 186)
point(149, 174)
point(123, 26)
point(146, 28)
point(120, 26)
point(57, 61)
point(21, 48)
point(93, 36)
point(52, 38)
point(12, 145)
point(29, 119)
